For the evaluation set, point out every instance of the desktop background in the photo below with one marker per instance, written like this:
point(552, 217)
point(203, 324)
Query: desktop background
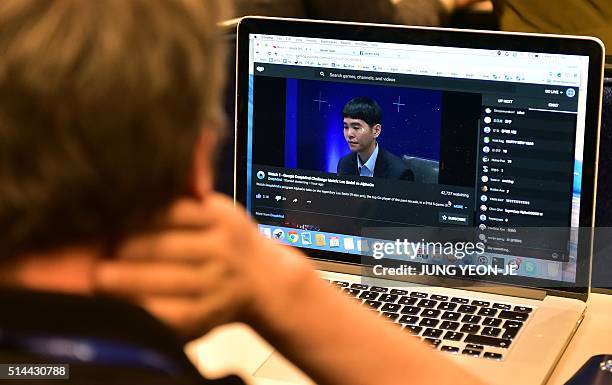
point(314, 140)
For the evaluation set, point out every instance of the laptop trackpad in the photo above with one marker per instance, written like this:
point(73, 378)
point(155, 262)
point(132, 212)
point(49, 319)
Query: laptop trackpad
point(278, 368)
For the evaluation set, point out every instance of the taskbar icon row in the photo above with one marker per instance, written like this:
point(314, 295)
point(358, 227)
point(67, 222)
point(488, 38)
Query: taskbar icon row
point(530, 267)
point(317, 239)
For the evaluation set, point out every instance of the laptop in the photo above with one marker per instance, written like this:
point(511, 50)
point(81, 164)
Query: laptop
point(443, 178)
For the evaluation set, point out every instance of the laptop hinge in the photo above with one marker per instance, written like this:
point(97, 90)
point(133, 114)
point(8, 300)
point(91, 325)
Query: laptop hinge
point(399, 281)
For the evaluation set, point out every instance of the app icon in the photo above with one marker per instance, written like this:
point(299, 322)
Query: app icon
point(499, 263)
point(530, 267)
point(261, 175)
point(320, 239)
point(334, 241)
point(349, 243)
point(362, 245)
point(306, 239)
point(553, 269)
point(266, 231)
point(278, 234)
point(292, 236)
point(514, 265)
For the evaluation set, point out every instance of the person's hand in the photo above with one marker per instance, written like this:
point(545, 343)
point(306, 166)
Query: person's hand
point(209, 266)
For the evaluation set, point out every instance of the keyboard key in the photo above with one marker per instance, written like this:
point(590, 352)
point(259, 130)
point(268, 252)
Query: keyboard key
point(432, 333)
point(512, 324)
point(487, 312)
point(463, 301)
point(388, 298)
point(522, 309)
point(407, 301)
point(379, 289)
point(390, 316)
point(513, 315)
point(481, 303)
point(409, 319)
point(341, 283)
point(471, 352)
point(427, 303)
point(490, 331)
point(416, 294)
point(429, 322)
point(492, 356)
point(453, 336)
point(413, 310)
point(359, 286)
point(399, 292)
point(468, 309)
point(451, 316)
point(450, 349)
point(413, 329)
point(510, 334)
point(434, 342)
point(495, 322)
point(449, 325)
point(439, 297)
point(431, 313)
point(447, 306)
point(373, 304)
point(471, 319)
point(351, 292)
point(470, 328)
point(488, 341)
point(474, 347)
point(502, 306)
point(391, 307)
point(369, 295)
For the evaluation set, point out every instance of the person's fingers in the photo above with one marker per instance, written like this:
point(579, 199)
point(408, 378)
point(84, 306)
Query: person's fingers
point(194, 317)
point(129, 279)
point(178, 245)
point(193, 213)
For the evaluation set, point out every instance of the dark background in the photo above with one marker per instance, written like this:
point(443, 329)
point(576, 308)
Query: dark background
point(314, 131)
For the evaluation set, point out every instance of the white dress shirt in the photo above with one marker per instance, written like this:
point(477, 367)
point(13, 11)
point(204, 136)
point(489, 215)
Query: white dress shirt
point(367, 168)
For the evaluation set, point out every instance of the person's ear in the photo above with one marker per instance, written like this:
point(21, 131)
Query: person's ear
point(202, 174)
point(377, 128)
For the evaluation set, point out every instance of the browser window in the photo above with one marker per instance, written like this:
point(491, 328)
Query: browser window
point(468, 139)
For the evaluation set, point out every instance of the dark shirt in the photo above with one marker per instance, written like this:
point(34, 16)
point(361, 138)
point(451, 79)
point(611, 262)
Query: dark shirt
point(104, 341)
point(387, 166)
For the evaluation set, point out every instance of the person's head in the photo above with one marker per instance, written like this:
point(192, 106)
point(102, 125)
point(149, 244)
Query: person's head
point(362, 123)
point(108, 111)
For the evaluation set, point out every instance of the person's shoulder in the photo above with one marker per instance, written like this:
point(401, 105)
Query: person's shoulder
point(346, 160)
point(391, 159)
point(396, 167)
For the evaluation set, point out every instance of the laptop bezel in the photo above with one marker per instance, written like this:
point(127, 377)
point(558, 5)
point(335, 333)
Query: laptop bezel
point(442, 37)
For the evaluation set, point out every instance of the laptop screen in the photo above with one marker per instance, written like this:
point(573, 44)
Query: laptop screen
point(429, 155)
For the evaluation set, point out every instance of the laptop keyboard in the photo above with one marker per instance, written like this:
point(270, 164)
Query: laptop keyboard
point(457, 325)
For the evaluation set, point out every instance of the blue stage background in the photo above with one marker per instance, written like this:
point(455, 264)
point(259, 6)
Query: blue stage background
point(314, 137)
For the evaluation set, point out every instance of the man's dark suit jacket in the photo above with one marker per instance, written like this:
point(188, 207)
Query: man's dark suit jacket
point(387, 166)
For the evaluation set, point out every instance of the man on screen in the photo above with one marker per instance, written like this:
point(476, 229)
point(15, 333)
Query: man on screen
point(362, 125)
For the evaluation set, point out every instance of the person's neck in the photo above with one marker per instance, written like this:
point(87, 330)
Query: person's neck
point(66, 270)
point(367, 153)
